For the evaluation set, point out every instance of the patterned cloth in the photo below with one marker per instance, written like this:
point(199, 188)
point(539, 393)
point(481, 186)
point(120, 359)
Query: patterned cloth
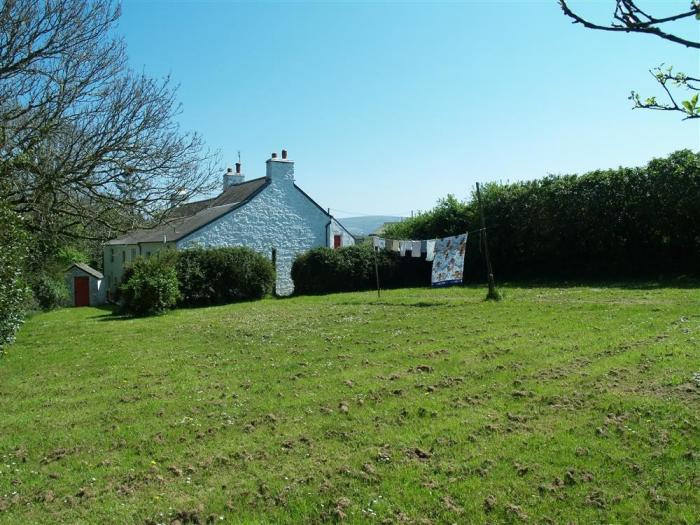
point(430, 250)
point(415, 248)
point(448, 264)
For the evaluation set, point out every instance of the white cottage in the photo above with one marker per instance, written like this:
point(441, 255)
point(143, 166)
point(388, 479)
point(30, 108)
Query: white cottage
point(270, 214)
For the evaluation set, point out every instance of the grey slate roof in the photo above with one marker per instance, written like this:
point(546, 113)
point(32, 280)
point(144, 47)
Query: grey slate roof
point(87, 269)
point(192, 216)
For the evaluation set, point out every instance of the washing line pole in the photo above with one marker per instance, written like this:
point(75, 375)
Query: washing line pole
point(493, 294)
point(376, 270)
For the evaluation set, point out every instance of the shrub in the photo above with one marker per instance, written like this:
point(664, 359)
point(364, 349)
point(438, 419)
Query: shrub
point(13, 290)
point(327, 270)
point(49, 291)
point(150, 285)
point(223, 275)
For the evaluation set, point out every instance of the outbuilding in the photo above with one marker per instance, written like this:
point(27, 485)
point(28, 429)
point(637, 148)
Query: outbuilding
point(85, 285)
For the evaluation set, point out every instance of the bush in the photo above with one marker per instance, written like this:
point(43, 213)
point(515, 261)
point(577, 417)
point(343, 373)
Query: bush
point(627, 222)
point(13, 290)
point(327, 270)
point(223, 275)
point(150, 285)
point(49, 291)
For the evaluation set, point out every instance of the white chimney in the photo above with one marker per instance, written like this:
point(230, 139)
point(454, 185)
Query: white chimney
point(231, 178)
point(280, 169)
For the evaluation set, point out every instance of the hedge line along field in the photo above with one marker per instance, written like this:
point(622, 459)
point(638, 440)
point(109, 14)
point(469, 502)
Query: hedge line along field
point(556, 405)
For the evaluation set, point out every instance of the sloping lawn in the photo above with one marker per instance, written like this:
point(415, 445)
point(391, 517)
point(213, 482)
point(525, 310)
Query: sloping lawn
point(562, 405)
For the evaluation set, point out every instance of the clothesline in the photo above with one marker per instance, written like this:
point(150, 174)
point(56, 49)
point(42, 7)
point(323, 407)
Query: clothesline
point(433, 239)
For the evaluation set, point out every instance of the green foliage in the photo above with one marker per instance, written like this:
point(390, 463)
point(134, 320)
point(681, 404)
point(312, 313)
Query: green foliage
point(68, 255)
point(13, 290)
point(49, 291)
point(627, 222)
point(327, 270)
point(150, 285)
point(223, 275)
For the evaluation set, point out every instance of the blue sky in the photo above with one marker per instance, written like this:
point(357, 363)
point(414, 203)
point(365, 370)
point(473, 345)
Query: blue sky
point(386, 107)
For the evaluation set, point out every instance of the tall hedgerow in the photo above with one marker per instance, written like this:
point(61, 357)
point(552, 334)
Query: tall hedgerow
point(624, 222)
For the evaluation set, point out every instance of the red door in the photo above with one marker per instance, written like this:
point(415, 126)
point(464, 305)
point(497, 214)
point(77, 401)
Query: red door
point(82, 291)
point(337, 239)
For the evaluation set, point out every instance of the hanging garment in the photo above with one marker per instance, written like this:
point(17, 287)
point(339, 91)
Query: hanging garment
point(448, 264)
point(392, 245)
point(430, 250)
point(378, 243)
point(405, 246)
point(415, 248)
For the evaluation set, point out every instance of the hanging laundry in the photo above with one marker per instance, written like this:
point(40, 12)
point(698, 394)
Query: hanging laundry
point(405, 246)
point(378, 243)
point(448, 264)
point(430, 250)
point(392, 245)
point(415, 248)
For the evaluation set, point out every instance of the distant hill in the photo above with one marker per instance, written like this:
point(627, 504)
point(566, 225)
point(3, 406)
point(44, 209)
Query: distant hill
point(366, 225)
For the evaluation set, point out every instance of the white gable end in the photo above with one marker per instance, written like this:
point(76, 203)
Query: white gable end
point(280, 217)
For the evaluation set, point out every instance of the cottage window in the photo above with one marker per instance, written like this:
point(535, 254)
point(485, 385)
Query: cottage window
point(337, 241)
point(123, 256)
point(274, 257)
point(133, 254)
point(111, 255)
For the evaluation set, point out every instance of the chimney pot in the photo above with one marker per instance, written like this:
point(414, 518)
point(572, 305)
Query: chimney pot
point(238, 167)
point(274, 155)
point(229, 170)
point(284, 153)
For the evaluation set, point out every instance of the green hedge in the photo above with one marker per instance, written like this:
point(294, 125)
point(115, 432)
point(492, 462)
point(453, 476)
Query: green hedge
point(194, 277)
point(327, 270)
point(223, 275)
point(13, 289)
point(627, 222)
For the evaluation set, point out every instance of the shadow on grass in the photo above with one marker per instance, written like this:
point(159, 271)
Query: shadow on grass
point(419, 304)
point(111, 313)
point(681, 282)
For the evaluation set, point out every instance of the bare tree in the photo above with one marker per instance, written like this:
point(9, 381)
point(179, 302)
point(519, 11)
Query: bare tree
point(628, 17)
point(87, 146)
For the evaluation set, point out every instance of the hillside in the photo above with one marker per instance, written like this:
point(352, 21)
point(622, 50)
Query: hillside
point(426, 406)
point(366, 225)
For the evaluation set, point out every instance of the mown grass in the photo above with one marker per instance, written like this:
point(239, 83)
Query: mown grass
point(562, 405)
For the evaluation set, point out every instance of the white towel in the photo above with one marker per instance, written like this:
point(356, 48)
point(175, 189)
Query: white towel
point(404, 246)
point(378, 243)
point(415, 248)
point(430, 250)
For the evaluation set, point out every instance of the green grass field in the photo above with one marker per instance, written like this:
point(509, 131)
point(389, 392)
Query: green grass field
point(557, 405)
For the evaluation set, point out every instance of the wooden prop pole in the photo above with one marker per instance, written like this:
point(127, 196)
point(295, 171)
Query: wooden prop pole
point(376, 270)
point(493, 294)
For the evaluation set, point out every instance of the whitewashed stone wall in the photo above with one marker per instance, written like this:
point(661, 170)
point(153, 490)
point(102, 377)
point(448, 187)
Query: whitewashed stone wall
point(280, 217)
